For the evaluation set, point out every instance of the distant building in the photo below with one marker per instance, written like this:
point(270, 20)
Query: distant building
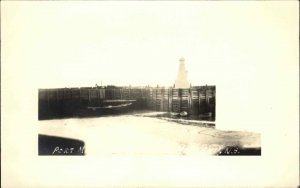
point(182, 80)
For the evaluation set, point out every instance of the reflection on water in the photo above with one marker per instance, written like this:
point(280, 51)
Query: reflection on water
point(206, 120)
point(147, 133)
point(206, 117)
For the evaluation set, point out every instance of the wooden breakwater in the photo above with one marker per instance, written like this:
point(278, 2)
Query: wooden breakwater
point(70, 102)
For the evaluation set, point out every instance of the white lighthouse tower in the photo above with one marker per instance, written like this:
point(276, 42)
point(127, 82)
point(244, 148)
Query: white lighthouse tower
point(182, 80)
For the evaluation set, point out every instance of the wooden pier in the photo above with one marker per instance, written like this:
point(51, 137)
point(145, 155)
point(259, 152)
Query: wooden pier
point(67, 102)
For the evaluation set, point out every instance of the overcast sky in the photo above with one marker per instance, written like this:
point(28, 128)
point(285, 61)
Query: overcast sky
point(73, 44)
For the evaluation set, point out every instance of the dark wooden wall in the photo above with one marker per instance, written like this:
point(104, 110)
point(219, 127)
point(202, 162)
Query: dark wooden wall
point(68, 102)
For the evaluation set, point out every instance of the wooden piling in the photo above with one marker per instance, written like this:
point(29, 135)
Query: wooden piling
point(162, 99)
point(190, 99)
point(199, 101)
point(89, 97)
point(157, 98)
point(47, 92)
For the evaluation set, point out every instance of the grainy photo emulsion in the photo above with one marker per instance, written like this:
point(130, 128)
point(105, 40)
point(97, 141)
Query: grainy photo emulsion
point(149, 94)
point(173, 120)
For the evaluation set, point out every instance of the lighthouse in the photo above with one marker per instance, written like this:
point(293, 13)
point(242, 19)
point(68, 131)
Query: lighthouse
point(182, 80)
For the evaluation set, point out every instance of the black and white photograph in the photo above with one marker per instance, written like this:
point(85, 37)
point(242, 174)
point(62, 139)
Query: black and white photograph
point(176, 120)
point(150, 93)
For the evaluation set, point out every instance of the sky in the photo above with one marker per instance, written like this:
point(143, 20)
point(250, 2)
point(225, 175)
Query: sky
point(248, 50)
point(74, 44)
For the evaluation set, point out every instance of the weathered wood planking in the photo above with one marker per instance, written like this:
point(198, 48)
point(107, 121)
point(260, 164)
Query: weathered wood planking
point(68, 101)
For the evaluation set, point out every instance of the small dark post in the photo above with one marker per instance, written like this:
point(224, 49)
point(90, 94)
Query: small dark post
point(120, 93)
point(190, 100)
point(152, 99)
point(199, 101)
point(156, 99)
point(98, 95)
point(56, 94)
point(47, 92)
point(71, 95)
point(168, 99)
point(89, 97)
point(171, 93)
point(129, 93)
point(63, 96)
point(180, 99)
point(206, 93)
point(162, 97)
point(103, 92)
point(80, 96)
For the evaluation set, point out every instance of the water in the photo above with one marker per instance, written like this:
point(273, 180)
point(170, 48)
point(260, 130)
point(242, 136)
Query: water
point(138, 134)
